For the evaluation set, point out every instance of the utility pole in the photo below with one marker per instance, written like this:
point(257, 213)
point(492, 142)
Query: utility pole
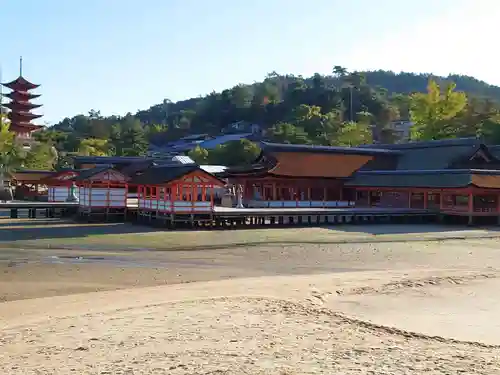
point(351, 114)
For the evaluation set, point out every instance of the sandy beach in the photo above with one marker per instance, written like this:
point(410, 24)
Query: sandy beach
point(395, 300)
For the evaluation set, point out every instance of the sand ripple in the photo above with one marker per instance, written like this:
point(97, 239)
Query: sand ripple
point(233, 336)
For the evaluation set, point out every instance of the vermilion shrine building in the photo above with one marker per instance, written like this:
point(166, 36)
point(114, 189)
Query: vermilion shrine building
point(453, 177)
point(301, 176)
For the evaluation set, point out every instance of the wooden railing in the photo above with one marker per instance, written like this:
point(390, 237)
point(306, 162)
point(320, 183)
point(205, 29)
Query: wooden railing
point(485, 209)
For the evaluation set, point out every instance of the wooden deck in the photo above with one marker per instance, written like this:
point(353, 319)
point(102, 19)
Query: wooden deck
point(37, 205)
point(223, 217)
point(240, 212)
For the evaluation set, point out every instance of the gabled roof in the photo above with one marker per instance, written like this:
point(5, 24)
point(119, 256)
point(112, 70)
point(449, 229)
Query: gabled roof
point(164, 173)
point(432, 154)
point(85, 174)
point(132, 169)
point(61, 175)
point(278, 147)
point(480, 158)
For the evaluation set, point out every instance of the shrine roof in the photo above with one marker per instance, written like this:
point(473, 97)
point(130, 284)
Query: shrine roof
point(437, 178)
point(278, 147)
point(165, 173)
point(20, 83)
point(429, 155)
point(85, 174)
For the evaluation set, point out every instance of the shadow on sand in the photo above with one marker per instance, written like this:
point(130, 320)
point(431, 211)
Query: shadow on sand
point(424, 228)
point(46, 229)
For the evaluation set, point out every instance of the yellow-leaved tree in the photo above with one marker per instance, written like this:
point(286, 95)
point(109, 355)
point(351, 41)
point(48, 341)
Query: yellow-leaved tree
point(433, 112)
point(94, 147)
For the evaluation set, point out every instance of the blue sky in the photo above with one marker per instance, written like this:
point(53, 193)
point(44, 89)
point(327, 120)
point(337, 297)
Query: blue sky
point(122, 55)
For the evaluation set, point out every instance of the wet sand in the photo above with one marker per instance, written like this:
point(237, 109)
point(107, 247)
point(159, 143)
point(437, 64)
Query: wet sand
point(352, 304)
point(30, 273)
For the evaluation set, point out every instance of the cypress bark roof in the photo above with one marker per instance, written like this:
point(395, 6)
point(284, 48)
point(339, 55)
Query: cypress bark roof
point(165, 173)
point(437, 178)
point(428, 155)
point(278, 147)
point(85, 174)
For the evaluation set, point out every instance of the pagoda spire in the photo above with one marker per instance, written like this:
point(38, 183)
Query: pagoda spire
point(20, 66)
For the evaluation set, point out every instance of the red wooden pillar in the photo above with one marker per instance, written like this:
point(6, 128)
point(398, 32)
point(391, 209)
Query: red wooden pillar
point(426, 197)
point(471, 202)
point(203, 192)
point(194, 194)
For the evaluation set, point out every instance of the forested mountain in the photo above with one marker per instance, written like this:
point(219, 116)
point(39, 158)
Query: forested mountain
point(343, 108)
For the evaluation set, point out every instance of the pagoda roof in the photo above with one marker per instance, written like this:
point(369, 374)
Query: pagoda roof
point(23, 125)
point(20, 84)
point(23, 115)
point(21, 95)
point(21, 105)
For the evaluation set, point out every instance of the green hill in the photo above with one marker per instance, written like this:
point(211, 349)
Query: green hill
point(322, 109)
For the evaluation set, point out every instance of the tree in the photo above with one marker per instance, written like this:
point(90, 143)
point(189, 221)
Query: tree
point(339, 71)
point(41, 156)
point(94, 147)
point(432, 113)
point(383, 120)
point(133, 143)
point(284, 132)
point(490, 129)
point(241, 152)
point(354, 134)
point(199, 155)
point(10, 153)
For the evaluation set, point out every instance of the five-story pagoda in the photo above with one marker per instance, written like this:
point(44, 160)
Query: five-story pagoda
point(20, 106)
